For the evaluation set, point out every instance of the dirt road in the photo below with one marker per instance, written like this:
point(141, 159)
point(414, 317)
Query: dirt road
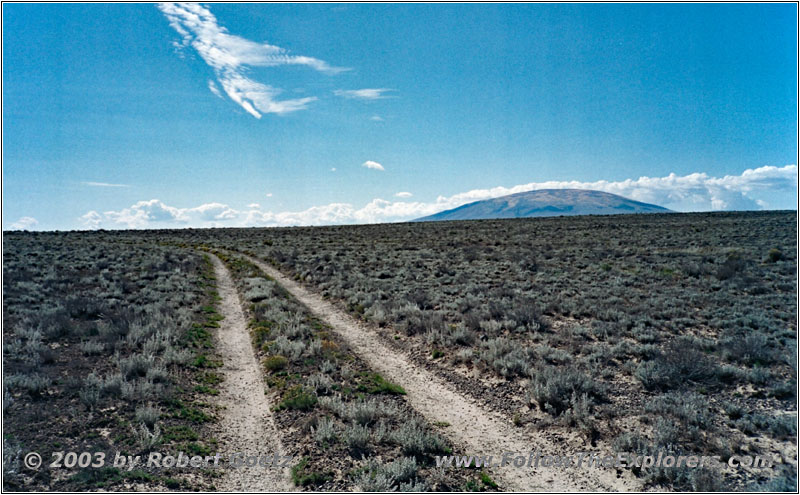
point(246, 425)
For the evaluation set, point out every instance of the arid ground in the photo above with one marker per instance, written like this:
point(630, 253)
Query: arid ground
point(364, 352)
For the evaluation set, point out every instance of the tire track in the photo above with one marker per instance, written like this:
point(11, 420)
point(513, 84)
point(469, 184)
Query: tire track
point(473, 427)
point(247, 425)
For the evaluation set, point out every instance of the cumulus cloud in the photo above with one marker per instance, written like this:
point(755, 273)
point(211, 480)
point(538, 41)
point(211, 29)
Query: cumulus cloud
point(403, 194)
point(372, 165)
point(363, 94)
point(155, 214)
point(254, 206)
point(376, 118)
point(25, 223)
point(694, 192)
point(143, 213)
point(211, 211)
point(754, 189)
point(91, 220)
point(230, 56)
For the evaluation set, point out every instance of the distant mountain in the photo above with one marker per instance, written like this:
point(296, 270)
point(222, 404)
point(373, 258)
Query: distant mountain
point(546, 203)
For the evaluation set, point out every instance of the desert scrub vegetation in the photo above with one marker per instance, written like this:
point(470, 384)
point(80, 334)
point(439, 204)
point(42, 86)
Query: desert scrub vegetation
point(107, 346)
point(335, 411)
point(637, 305)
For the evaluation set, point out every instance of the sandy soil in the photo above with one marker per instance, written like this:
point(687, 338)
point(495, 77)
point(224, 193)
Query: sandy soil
point(246, 424)
point(473, 427)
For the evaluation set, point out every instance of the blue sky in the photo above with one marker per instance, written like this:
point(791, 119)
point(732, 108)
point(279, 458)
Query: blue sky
point(144, 115)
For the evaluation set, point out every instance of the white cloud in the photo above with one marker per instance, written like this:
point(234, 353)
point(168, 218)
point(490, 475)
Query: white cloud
point(210, 211)
point(317, 215)
point(155, 214)
point(693, 192)
point(403, 194)
point(269, 195)
point(363, 94)
point(753, 189)
point(214, 89)
point(372, 165)
point(376, 118)
point(141, 214)
point(230, 56)
point(92, 220)
point(254, 206)
point(25, 223)
point(103, 184)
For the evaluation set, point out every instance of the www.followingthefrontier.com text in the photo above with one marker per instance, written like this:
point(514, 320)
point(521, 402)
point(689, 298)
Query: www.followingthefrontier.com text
point(586, 460)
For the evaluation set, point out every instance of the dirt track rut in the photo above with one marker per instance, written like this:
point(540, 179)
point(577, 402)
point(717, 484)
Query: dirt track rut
point(246, 425)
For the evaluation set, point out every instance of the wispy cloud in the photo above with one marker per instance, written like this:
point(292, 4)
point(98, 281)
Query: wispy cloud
point(103, 184)
point(373, 165)
point(376, 118)
point(214, 88)
point(230, 56)
point(25, 223)
point(363, 94)
point(754, 189)
point(403, 194)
